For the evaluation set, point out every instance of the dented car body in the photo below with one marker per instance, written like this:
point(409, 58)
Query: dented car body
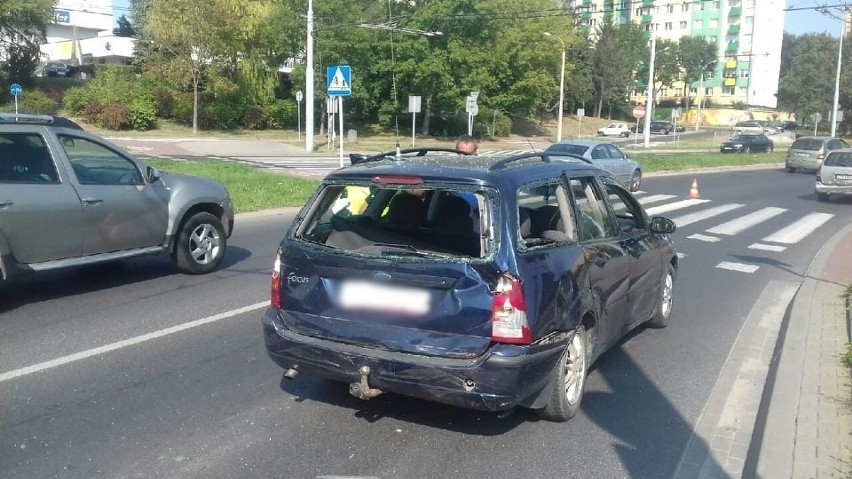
point(480, 282)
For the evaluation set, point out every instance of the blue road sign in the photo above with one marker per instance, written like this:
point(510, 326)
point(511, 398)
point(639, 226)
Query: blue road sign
point(15, 89)
point(338, 80)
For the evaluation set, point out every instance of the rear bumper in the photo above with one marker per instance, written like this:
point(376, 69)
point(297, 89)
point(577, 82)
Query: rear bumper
point(504, 377)
point(806, 163)
point(833, 189)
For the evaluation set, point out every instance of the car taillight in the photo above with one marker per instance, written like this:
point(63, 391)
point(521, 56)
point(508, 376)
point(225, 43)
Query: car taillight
point(820, 156)
point(819, 177)
point(509, 312)
point(275, 296)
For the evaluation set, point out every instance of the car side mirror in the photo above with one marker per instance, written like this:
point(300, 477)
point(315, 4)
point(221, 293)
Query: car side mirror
point(153, 174)
point(662, 225)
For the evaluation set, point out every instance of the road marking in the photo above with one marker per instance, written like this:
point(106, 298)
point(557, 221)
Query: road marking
point(655, 198)
point(127, 342)
point(741, 267)
point(705, 238)
point(798, 230)
point(681, 255)
point(705, 214)
point(677, 205)
point(768, 247)
point(741, 224)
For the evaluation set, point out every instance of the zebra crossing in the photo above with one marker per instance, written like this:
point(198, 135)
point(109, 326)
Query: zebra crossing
point(701, 212)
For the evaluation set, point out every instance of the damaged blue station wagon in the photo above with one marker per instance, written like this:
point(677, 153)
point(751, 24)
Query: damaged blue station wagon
point(481, 282)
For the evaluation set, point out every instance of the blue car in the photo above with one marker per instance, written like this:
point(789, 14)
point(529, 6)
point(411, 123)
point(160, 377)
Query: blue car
point(481, 282)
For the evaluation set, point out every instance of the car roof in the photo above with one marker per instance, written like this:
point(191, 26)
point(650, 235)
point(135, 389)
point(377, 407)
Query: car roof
point(588, 143)
point(495, 170)
point(817, 138)
point(42, 120)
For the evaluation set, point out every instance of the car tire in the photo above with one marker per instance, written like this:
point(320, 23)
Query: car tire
point(769, 149)
point(791, 169)
point(200, 245)
point(635, 181)
point(746, 150)
point(664, 131)
point(625, 134)
point(569, 381)
point(822, 196)
point(663, 310)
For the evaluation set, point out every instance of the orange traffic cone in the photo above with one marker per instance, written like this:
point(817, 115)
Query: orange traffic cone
point(693, 190)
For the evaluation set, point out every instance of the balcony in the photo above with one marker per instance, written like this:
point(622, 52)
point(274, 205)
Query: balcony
point(735, 12)
point(646, 19)
point(730, 81)
point(647, 3)
point(733, 47)
point(733, 29)
point(730, 65)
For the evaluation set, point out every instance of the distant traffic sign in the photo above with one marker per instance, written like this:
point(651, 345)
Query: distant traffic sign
point(15, 89)
point(339, 80)
point(638, 112)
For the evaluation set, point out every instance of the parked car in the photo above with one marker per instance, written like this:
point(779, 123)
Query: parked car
point(56, 69)
point(834, 176)
point(661, 127)
point(790, 126)
point(605, 156)
point(615, 129)
point(746, 143)
point(749, 127)
point(808, 152)
point(481, 282)
point(69, 198)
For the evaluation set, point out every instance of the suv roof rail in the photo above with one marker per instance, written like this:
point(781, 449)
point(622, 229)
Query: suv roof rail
point(544, 156)
point(31, 119)
point(358, 158)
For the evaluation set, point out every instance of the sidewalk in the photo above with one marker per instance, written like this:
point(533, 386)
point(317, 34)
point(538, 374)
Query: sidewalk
point(808, 425)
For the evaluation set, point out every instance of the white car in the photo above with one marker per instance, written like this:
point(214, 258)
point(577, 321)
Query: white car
point(615, 129)
point(834, 176)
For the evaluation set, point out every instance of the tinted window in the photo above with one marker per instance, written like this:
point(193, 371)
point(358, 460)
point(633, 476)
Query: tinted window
point(95, 164)
point(811, 144)
point(843, 159)
point(614, 152)
point(24, 158)
point(836, 145)
point(599, 152)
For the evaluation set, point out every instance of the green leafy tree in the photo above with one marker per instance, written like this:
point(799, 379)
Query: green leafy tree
point(697, 57)
point(125, 28)
point(807, 87)
point(618, 52)
point(22, 29)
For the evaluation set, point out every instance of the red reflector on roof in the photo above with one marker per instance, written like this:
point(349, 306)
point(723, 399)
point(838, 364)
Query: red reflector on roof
point(398, 180)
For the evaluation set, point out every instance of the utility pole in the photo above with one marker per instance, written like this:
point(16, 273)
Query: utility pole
point(649, 108)
point(309, 82)
point(837, 78)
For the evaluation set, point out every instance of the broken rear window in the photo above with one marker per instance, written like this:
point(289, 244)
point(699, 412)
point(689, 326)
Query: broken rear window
point(411, 222)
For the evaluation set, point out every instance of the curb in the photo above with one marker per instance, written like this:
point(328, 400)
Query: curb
point(269, 212)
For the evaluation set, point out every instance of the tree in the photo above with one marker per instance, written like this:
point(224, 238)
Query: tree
point(618, 53)
point(697, 57)
point(22, 29)
point(807, 86)
point(125, 28)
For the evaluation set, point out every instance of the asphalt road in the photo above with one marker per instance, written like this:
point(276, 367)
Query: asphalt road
point(205, 401)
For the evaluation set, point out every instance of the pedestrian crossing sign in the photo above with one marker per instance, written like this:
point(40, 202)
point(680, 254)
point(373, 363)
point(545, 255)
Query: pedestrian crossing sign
point(339, 80)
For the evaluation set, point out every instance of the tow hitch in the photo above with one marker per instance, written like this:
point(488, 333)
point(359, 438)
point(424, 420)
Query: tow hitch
point(362, 389)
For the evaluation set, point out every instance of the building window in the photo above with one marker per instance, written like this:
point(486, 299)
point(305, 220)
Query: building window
point(743, 91)
point(743, 73)
point(710, 75)
point(708, 91)
point(668, 25)
point(594, 7)
point(646, 11)
point(625, 5)
point(671, 8)
point(717, 5)
point(664, 92)
point(638, 12)
point(656, 27)
point(714, 23)
point(728, 90)
point(733, 3)
point(683, 25)
point(749, 22)
point(699, 25)
point(747, 38)
point(678, 91)
point(684, 7)
point(649, 27)
point(693, 91)
point(701, 6)
point(592, 22)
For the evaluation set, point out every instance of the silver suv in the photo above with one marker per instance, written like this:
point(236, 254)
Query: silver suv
point(69, 198)
point(809, 151)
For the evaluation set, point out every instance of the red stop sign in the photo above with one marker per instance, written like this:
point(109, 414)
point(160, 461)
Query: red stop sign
point(638, 112)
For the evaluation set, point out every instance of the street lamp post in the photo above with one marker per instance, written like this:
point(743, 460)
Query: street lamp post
point(309, 82)
point(561, 87)
point(837, 80)
point(649, 106)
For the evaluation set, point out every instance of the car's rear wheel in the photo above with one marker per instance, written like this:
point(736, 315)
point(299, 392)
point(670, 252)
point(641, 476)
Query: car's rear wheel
point(769, 149)
point(790, 169)
point(822, 196)
point(660, 319)
point(664, 131)
point(636, 181)
point(747, 150)
point(567, 390)
point(624, 134)
point(200, 245)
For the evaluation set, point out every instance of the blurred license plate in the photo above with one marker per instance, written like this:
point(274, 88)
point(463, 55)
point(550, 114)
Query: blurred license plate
point(843, 177)
point(365, 295)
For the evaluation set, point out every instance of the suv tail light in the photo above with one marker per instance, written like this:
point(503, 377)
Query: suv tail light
point(275, 296)
point(509, 312)
point(820, 156)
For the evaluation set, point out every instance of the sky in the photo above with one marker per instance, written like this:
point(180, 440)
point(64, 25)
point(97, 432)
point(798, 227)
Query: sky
point(796, 22)
point(808, 21)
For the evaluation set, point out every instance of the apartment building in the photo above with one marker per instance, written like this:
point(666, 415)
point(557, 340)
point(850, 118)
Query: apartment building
point(749, 34)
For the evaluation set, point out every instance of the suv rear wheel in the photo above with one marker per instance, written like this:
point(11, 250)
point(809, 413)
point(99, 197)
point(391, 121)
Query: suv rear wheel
point(200, 245)
point(567, 390)
point(660, 319)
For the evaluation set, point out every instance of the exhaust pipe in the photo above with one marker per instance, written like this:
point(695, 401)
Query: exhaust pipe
point(362, 389)
point(291, 373)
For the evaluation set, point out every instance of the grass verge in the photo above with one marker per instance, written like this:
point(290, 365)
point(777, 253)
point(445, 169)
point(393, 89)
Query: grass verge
point(661, 162)
point(251, 189)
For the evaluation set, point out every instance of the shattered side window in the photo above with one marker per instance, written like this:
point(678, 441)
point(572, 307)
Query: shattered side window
point(406, 222)
point(544, 215)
